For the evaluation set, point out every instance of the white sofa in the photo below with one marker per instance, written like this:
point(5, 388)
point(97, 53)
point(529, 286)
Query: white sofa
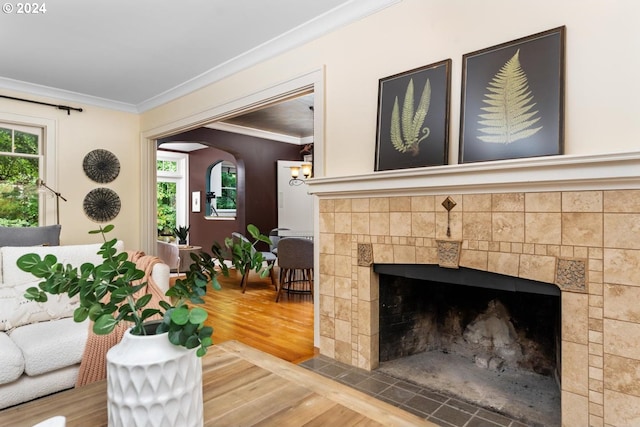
point(40, 344)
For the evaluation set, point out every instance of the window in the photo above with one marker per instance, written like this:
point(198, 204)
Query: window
point(21, 161)
point(222, 190)
point(171, 170)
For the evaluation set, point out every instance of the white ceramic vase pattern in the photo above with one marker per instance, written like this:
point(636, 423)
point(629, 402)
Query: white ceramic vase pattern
point(153, 383)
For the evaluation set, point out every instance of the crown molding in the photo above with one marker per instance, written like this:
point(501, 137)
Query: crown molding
point(263, 134)
point(338, 17)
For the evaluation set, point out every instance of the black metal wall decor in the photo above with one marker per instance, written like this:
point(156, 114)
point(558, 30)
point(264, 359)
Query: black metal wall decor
point(101, 166)
point(101, 204)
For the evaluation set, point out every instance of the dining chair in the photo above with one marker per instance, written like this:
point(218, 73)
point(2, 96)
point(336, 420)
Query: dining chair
point(274, 236)
point(295, 259)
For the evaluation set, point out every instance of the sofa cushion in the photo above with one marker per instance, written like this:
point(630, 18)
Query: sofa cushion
point(15, 309)
point(48, 235)
point(11, 360)
point(47, 346)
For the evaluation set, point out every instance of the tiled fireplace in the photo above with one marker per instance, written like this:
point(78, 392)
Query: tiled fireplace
point(571, 221)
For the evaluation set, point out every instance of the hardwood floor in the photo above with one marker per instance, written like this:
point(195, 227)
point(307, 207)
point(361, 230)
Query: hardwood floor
point(283, 329)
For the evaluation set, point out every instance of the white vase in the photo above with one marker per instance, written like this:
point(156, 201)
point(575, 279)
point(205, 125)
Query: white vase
point(153, 383)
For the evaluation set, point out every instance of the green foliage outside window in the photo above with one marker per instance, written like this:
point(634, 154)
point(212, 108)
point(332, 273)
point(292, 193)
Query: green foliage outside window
point(19, 171)
point(166, 194)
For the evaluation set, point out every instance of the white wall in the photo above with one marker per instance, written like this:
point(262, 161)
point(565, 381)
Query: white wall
point(603, 56)
point(78, 134)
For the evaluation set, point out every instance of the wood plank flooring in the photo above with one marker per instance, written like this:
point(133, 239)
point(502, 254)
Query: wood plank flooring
point(283, 329)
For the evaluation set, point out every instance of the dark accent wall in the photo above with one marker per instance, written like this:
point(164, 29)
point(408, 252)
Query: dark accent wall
point(255, 160)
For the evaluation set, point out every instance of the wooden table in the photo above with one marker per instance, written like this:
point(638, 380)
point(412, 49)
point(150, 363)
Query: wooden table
point(242, 386)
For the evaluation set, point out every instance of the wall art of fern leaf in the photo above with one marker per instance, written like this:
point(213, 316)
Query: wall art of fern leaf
point(406, 128)
point(509, 115)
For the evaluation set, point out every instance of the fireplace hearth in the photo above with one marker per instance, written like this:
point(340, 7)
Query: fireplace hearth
point(492, 347)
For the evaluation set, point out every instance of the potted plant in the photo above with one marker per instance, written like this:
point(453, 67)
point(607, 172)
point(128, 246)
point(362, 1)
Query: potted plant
point(181, 232)
point(107, 296)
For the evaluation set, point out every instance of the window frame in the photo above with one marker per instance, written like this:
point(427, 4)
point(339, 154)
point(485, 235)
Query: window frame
point(180, 177)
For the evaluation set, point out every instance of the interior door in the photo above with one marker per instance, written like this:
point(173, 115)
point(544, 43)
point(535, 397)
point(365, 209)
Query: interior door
point(295, 205)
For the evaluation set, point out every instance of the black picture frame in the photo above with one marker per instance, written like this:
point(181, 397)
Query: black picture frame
point(530, 123)
point(394, 136)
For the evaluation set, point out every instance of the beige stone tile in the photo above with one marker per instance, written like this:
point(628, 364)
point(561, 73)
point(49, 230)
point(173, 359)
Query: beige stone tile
point(575, 410)
point(368, 285)
point(423, 204)
point(622, 266)
point(507, 227)
point(360, 223)
point(327, 264)
point(582, 201)
point(327, 306)
point(575, 367)
point(582, 229)
point(343, 308)
point(379, 223)
point(622, 231)
point(621, 409)
point(326, 205)
point(342, 205)
point(622, 374)
point(368, 351)
point(379, 204)
point(327, 243)
point(400, 223)
point(622, 201)
point(382, 253)
point(621, 302)
point(327, 347)
point(622, 338)
point(400, 204)
point(597, 409)
point(426, 255)
point(327, 222)
point(368, 319)
point(476, 226)
point(507, 202)
point(342, 330)
point(343, 244)
point(327, 285)
point(404, 254)
point(543, 227)
point(575, 317)
point(344, 352)
point(476, 203)
point(343, 287)
point(342, 266)
point(596, 325)
point(423, 224)
point(342, 222)
point(543, 202)
point(538, 267)
point(503, 263)
point(327, 326)
point(474, 259)
point(455, 223)
point(360, 205)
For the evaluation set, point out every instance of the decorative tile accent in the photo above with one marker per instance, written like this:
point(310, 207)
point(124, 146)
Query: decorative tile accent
point(571, 274)
point(449, 253)
point(365, 254)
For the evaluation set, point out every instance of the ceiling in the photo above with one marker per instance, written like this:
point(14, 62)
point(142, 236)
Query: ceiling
point(136, 55)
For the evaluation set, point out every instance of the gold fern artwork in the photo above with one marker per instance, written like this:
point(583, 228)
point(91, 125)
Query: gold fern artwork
point(510, 114)
point(406, 129)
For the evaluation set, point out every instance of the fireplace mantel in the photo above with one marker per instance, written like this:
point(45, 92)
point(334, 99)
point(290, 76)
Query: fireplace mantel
point(555, 173)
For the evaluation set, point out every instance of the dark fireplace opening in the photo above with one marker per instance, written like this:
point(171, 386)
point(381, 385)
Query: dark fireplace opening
point(502, 331)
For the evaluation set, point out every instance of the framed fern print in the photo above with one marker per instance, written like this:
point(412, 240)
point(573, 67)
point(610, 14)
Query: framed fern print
point(513, 99)
point(413, 118)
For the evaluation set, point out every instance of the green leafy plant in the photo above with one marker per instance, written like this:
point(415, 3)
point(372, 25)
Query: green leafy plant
point(181, 232)
point(406, 127)
point(107, 294)
point(509, 115)
point(243, 254)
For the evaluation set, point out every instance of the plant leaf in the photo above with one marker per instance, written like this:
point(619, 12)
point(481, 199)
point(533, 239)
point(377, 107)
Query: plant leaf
point(508, 116)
